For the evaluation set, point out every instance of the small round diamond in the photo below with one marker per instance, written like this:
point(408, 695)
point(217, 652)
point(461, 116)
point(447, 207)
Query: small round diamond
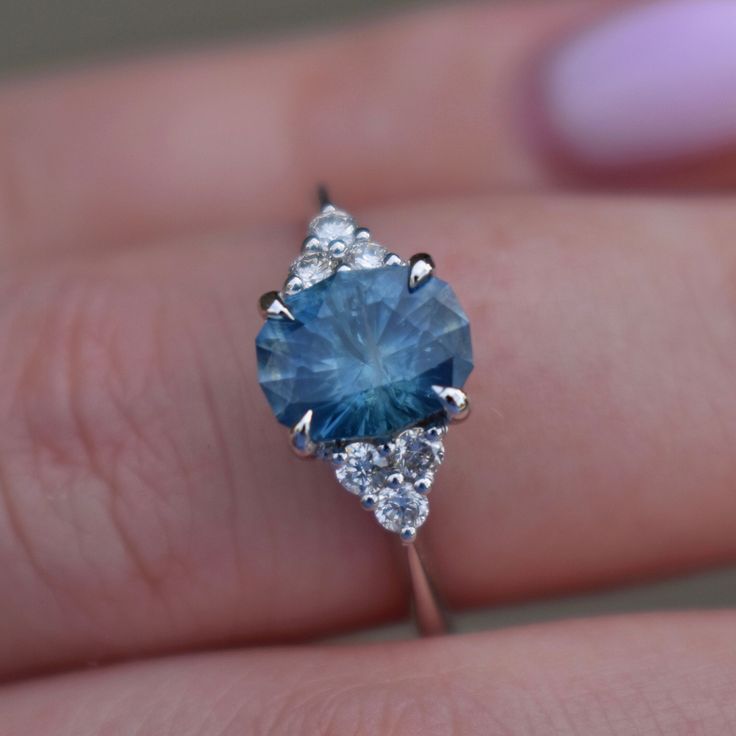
point(365, 254)
point(401, 508)
point(361, 468)
point(334, 225)
point(312, 268)
point(418, 452)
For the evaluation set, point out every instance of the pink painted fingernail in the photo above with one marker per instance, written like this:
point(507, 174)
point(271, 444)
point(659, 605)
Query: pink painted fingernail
point(654, 82)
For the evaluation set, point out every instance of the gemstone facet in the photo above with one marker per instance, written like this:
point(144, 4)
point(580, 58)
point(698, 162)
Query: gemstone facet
point(363, 353)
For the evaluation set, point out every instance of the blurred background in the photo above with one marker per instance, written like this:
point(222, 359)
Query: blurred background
point(38, 34)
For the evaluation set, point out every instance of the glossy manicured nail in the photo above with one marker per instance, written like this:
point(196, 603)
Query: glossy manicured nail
point(650, 83)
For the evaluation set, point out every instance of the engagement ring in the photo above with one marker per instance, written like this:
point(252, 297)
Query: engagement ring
point(363, 356)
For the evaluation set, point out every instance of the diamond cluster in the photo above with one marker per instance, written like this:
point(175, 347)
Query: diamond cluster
point(334, 242)
point(393, 478)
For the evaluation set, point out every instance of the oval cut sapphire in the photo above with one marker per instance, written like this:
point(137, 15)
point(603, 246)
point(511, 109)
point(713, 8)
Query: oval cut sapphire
point(363, 353)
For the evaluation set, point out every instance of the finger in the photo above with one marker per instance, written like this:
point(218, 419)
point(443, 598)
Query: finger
point(186, 144)
point(425, 104)
point(151, 501)
point(668, 120)
point(609, 677)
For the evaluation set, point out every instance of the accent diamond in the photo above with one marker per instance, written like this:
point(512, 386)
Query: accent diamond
point(312, 268)
point(418, 452)
point(333, 225)
point(365, 254)
point(362, 468)
point(401, 508)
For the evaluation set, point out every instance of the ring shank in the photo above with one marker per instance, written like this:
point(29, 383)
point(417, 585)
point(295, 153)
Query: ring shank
point(429, 615)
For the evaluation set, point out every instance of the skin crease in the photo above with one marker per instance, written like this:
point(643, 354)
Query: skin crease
point(148, 502)
point(670, 675)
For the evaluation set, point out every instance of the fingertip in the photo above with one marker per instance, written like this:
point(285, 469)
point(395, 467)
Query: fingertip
point(644, 86)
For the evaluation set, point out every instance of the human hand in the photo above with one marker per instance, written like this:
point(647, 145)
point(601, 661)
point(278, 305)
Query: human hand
point(149, 506)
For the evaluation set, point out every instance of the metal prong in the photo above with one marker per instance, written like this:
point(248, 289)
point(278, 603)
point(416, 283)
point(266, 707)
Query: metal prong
point(301, 442)
point(272, 307)
point(423, 485)
point(385, 449)
point(408, 534)
point(362, 233)
point(323, 196)
point(311, 244)
point(436, 432)
point(338, 248)
point(368, 501)
point(421, 268)
point(339, 458)
point(455, 401)
point(293, 285)
point(392, 259)
point(395, 480)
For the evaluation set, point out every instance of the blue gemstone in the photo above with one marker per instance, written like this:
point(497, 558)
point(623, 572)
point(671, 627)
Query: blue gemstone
point(363, 353)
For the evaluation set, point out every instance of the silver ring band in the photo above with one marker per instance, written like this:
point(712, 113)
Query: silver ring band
point(430, 616)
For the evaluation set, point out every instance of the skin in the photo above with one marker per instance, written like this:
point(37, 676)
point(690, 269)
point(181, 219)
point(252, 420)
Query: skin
point(149, 506)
